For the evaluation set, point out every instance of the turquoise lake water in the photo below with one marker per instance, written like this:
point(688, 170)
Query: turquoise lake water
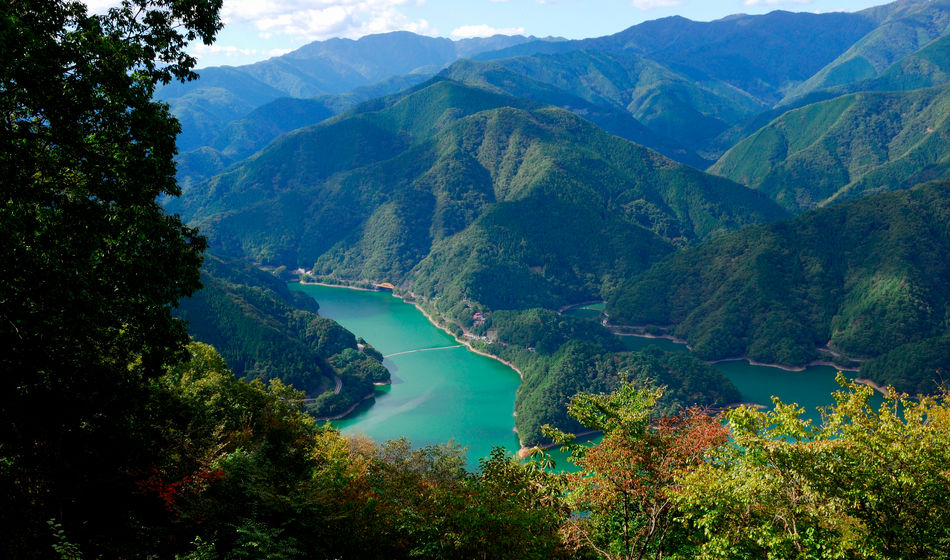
point(436, 395)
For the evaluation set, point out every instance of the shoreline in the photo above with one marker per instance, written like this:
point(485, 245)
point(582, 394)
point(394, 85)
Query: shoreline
point(429, 318)
point(348, 411)
point(581, 304)
point(357, 288)
point(879, 388)
point(525, 452)
point(356, 404)
point(461, 341)
point(617, 330)
point(780, 366)
point(614, 329)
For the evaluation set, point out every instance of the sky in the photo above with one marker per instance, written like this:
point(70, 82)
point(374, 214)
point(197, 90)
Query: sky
point(259, 29)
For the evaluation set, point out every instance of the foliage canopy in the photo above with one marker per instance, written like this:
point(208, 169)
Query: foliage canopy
point(92, 263)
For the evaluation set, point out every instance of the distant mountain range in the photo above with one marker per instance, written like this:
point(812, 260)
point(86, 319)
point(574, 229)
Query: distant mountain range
point(336, 66)
point(846, 147)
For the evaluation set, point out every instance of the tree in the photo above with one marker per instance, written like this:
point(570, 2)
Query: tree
point(623, 494)
point(866, 483)
point(92, 263)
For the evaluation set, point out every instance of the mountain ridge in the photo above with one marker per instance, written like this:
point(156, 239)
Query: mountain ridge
point(435, 161)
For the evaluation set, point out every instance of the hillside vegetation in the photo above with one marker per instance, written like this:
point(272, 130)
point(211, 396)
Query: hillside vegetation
point(761, 55)
point(265, 331)
point(454, 191)
point(225, 144)
point(685, 81)
point(866, 278)
point(905, 28)
point(845, 147)
point(665, 102)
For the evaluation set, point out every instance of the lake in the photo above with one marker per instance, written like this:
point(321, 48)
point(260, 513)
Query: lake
point(437, 395)
point(444, 392)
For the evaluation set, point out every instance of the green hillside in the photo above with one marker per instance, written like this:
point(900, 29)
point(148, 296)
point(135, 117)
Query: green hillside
point(238, 139)
point(264, 331)
point(668, 104)
point(762, 55)
point(411, 188)
point(472, 200)
point(845, 147)
point(698, 78)
point(223, 95)
point(866, 278)
point(906, 28)
point(927, 67)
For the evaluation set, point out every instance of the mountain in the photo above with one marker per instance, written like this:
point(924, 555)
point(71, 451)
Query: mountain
point(846, 147)
point(610, 89)
point(220, 96)
point(906, 27)
point(265, 331)
point(224, 94)
point(761, 55)
point(242, 137)
point(867, 278)
point(707, 70)
point(559, 355)
point(927, 67)
point(690, 83)
point(454, 190)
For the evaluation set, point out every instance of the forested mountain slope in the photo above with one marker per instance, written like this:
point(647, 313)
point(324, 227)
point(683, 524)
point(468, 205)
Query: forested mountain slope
point(240, 138)
point(868, 278)
point(451, 189)
point(265, 331)
point(668, 105)
point(927, 67)
point(762, 55)
point(905, 28)
point(846, 147)
point(697, 78)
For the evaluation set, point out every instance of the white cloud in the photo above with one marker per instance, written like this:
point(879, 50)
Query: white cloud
point(653, 4)
point(469, 31)
point(322, 19)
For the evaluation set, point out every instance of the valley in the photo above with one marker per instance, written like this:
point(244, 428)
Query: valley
point(681, 290)
point(497, 187)
point(472, 387)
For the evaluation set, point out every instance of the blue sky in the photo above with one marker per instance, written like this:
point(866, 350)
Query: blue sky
point(258, 29)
